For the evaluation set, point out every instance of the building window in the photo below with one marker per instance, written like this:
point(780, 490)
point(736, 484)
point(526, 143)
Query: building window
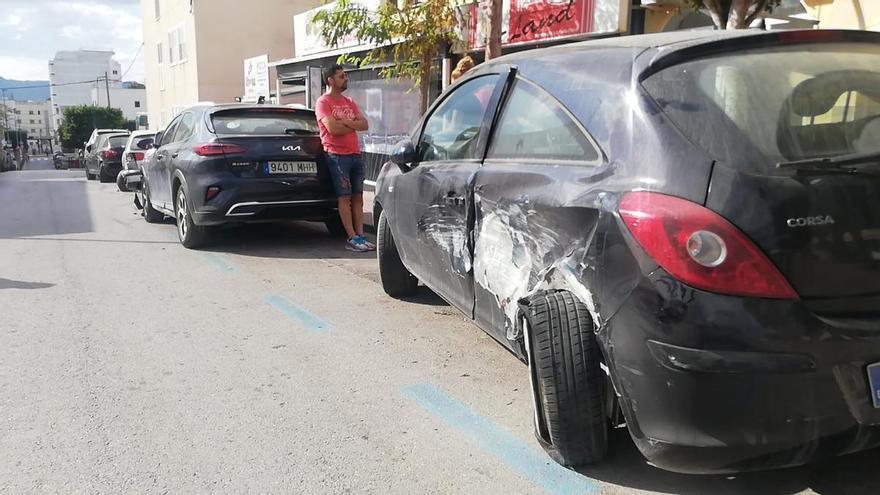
point(159, 52)
point(32, 121)
point(176, 45)
point(30, 112)
point(137, 104)
point(156, 4)
point(115, 72)
point(38, 112)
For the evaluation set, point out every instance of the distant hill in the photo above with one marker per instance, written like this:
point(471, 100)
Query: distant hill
point(36, 94)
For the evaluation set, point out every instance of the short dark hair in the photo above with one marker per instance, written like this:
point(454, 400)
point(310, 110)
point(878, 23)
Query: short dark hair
point(331, 71)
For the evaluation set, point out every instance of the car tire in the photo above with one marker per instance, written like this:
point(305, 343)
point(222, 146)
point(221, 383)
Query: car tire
point(335, 227)
point(190, 235)
point(89, 175)
point(151, 215)
point(120, 183)
point(397, 281)
point(568, 382)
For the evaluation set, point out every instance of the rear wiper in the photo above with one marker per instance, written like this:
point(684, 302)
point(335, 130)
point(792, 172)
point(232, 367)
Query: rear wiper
point(298, 131)
point(833, 162)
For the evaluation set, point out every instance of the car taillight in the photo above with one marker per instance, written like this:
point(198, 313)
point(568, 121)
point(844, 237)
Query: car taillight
point(700, 248)
point(137, 155)
point(214, 149)
point(110, 154)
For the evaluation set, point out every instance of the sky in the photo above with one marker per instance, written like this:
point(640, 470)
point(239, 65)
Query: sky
point(31, 31)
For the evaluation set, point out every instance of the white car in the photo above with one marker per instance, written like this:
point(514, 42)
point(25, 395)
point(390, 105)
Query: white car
point(139, 144)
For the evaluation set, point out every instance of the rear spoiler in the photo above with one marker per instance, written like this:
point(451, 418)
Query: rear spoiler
point(668, 56)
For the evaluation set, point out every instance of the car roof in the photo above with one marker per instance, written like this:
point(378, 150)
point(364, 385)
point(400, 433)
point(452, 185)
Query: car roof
point(653, 51)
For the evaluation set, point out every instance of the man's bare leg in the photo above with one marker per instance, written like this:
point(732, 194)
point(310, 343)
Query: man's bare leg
point(357, 213)
point(344, 204)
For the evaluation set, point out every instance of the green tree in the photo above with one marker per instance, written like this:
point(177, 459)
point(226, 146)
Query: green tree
point(406, 36)
point(80, 121)
point(734, 14)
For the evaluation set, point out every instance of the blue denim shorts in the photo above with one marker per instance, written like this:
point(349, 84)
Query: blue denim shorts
point(347, 173)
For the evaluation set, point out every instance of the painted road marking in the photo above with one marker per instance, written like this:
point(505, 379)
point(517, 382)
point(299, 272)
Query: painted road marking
point(218, 261)
point(530, 463)
point(305, 319)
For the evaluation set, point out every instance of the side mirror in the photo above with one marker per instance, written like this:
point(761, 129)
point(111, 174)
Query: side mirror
point(404, 153)
point(157, 141)
point(144, 144)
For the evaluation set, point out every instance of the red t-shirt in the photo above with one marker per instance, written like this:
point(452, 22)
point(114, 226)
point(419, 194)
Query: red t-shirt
point(339, 107)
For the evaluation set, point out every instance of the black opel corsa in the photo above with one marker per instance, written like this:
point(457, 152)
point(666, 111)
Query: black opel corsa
point(677, 232)
point(217, 164)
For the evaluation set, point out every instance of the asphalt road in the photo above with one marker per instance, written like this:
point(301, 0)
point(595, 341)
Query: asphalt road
point(270, 363)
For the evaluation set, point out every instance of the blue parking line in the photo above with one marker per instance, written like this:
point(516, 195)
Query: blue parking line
point(530, 463)
point(218, 262)
point(305, 319)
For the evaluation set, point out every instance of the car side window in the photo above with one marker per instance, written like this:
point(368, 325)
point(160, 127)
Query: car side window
point(451, 132)
point(168, 136)
point(184, 128)
point(534, 126)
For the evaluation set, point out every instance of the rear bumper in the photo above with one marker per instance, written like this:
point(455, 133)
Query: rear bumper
point(712, 383)
point(110, 169)
point(250, 200)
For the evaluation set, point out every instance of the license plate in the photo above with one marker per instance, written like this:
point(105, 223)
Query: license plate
point(291, 168)
point(874, 381)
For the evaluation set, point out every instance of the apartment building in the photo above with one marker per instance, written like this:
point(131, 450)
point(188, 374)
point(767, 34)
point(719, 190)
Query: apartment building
point(33, 117)
point(195, 49)
point(70, 78)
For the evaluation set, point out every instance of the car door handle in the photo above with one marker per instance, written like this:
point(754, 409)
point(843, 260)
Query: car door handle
point(174, 155)
point(454, 200)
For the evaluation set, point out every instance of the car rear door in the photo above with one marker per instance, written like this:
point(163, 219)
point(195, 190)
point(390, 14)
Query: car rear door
point(434, 200)
point(159, 179)
point(530, 227)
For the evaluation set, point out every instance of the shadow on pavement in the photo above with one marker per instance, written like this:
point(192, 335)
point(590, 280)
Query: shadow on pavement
point(43, 203)
point(625, 466)
point(290, 240)
point(425, 297)
point(6, 283)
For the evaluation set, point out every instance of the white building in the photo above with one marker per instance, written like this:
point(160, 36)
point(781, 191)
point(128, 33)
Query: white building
point(73, 75)
point(33, 117)
point(130, 100)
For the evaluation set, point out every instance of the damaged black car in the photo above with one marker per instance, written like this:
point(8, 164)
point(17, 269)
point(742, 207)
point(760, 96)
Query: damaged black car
point(679, 233)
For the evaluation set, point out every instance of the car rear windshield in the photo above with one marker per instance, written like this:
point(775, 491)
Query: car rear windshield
point(755, 108)
point(263, 121)
point(118, 141)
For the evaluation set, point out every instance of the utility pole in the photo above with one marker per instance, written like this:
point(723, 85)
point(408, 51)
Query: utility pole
point(107, 86)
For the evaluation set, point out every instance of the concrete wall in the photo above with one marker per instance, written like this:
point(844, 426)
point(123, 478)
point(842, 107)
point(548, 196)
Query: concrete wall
point(845, 14)
point(266, 28)
point(130, 101)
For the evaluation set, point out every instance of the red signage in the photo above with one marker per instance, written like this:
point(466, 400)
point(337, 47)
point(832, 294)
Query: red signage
point(533, 20)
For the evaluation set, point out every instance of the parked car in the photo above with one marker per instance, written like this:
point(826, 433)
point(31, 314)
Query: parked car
point(217, 164)
point(94, 137)
point(133, 155)
point(104, 160)
point(677, 232)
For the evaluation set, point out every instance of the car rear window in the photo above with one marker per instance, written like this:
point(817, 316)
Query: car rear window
point(754, 108)
point(118, 141)
point(263, 121)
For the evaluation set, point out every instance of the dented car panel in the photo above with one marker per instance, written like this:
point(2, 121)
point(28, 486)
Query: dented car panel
point(707, 382)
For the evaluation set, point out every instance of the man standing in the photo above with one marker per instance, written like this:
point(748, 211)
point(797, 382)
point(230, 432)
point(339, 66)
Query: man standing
point(339, 119)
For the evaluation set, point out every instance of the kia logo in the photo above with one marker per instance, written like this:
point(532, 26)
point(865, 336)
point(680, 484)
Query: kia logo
point(809, 221)
point(291, 148)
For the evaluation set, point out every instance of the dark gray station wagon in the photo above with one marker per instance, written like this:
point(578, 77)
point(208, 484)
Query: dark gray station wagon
point(679, 233)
